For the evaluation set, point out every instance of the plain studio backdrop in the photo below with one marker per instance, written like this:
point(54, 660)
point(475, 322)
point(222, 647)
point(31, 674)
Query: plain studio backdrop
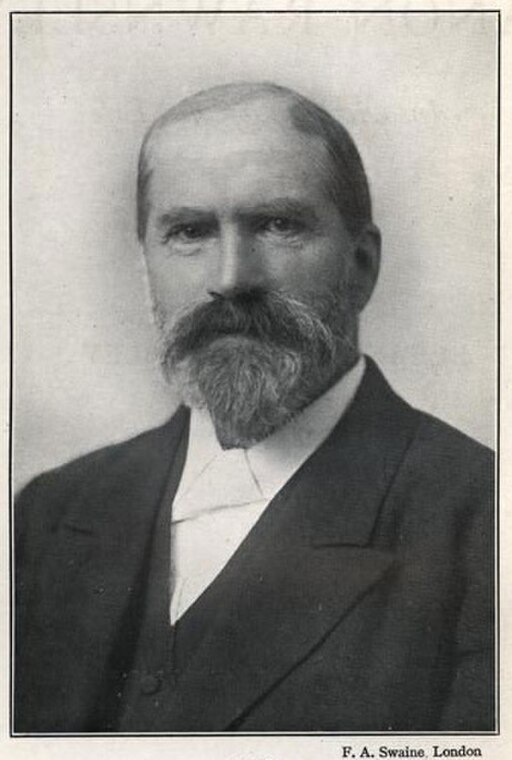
point(416, 91)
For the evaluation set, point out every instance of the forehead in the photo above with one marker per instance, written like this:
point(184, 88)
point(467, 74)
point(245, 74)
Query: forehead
point(253, 146)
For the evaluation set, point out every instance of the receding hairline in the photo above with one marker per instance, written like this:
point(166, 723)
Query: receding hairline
point(222, 98)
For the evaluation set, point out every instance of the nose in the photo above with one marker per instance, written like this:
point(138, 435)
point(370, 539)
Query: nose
point(239, 266)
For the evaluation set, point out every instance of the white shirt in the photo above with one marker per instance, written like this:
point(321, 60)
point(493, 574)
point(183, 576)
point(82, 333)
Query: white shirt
point(222, 494)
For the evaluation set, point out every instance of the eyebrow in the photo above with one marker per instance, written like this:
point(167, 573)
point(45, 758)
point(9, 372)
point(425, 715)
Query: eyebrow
point(281, 206)
point(180, 214)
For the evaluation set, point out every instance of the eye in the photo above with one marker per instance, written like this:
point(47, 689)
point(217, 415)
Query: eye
point(282, 225)
point(187, 233)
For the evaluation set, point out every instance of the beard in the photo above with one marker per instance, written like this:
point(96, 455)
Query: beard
point(255, 358)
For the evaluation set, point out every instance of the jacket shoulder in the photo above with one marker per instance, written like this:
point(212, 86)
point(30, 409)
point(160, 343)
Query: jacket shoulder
point(445, 482)
point(438, 477)
point(447, 444)
point(416, 433)
point(97, 470)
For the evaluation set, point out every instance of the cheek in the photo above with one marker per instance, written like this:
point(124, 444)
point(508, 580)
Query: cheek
point(315, 272)
point(175, 284)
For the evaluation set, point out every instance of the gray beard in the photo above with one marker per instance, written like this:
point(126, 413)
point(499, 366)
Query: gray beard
point(252, 385)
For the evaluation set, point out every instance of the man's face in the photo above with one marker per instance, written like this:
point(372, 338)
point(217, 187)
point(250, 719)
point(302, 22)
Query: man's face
point(238, 204)
point(237, 200)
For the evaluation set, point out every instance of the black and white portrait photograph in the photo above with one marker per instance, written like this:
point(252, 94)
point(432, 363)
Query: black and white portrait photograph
point(254, 284)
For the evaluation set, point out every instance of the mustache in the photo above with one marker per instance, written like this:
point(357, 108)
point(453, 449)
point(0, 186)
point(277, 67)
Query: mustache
point(266, 316)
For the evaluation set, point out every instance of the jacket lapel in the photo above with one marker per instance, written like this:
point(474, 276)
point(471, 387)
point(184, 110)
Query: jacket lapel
point(304, 565)
point(102, 543)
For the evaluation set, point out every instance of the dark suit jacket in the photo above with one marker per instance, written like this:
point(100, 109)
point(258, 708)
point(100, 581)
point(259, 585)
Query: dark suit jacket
point(360, 601)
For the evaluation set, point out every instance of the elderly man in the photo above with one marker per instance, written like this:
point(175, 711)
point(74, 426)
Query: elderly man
point(297, 549)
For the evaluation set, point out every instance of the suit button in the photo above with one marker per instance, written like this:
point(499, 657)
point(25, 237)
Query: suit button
point(150, 684)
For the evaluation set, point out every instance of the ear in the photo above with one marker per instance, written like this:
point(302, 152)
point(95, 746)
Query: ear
point(366, 265)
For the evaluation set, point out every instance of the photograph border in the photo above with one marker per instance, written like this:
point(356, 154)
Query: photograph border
point(497, 13)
